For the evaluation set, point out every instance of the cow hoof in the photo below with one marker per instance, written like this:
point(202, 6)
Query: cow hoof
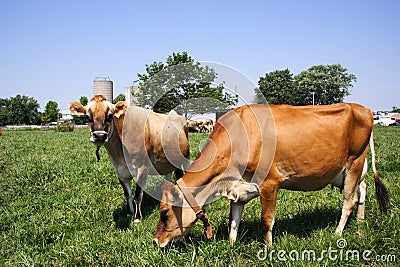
point(338, 232)
point(137, 221)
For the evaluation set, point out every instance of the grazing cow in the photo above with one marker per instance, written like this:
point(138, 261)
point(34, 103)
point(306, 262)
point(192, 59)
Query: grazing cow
point(256, 149)
point(193, 126)
point(2, 133)
point(207, 125)
point(138, 141)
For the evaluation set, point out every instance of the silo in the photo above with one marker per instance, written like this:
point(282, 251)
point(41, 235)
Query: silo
point(103, 86)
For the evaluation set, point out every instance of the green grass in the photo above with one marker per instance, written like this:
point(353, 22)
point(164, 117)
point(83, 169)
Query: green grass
point(59, 207)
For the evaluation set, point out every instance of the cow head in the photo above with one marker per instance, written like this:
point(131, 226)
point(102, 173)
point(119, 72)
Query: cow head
point(100, 113)
point(176, 216)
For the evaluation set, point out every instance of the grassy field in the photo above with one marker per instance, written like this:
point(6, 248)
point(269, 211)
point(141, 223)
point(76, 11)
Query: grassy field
point(59, 207)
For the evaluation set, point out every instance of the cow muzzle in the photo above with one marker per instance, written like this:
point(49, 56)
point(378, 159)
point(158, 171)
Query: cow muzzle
point(164, 240)
point(99, 137)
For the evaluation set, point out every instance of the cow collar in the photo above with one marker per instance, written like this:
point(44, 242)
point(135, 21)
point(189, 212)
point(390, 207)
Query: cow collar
point(200, 213)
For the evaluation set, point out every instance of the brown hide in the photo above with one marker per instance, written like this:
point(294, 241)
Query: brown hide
point(257, 149)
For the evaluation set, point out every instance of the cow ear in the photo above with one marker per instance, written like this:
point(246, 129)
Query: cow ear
point(77, 108)
point(120, 108)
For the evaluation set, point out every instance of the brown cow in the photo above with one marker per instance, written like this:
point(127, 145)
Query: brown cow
point(194, 126)
point(207, 125)
point(2, 133)
point(138, 141)
point(256, 149)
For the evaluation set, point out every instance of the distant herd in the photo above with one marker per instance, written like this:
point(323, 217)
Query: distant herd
point(206, 126)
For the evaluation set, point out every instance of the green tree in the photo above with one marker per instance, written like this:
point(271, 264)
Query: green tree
point(120, 97)
point(181, 84)
point(278, 87)
point(4, 114)
point(329, 83)
point(83, 100)
point(23, 110)
point(51, 112)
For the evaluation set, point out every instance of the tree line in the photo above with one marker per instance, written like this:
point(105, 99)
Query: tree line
point(319, 85)
point(24, 110)
point(183, 84)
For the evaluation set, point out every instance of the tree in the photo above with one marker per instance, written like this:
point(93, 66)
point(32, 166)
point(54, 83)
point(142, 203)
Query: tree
point(277, 87)
point(81, 119)
point(83, 100)
point(328, 83)
point(4, 114)
point(51, 112)
point(120, 97)
point(23, 110)
point(181, 83)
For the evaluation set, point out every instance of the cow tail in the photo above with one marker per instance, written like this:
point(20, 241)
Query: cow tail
point(380, 191)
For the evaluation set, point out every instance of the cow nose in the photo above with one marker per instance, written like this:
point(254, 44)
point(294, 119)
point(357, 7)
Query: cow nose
point(99, 136)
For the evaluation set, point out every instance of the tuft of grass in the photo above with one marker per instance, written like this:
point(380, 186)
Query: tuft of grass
point(59, 207)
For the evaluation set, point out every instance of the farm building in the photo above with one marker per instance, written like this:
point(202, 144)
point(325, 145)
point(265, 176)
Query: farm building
point(386, 118)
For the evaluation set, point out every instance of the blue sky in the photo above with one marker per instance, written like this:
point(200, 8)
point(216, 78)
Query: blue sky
point(53, 50)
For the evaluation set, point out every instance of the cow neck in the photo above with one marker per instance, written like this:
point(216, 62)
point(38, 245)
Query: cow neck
point(113, 128)
point(110, 135)
point(113, 145)
point(188, 196)
point(200, 213)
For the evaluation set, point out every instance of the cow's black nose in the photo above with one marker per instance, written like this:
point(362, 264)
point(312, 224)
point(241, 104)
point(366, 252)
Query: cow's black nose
point(100, 136)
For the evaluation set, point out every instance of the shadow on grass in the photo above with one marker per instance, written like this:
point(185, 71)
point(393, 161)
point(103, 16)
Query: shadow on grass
point(122, 222)
point(301, 225)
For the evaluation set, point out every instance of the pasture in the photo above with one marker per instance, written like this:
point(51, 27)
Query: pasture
point(59, 207)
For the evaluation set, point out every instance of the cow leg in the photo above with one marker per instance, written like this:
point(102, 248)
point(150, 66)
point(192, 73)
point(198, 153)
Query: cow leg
point(268, 202)
point(126, 186)
point(140, 184)
point(350, 196)
point(362, 193)
point(235, 216)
